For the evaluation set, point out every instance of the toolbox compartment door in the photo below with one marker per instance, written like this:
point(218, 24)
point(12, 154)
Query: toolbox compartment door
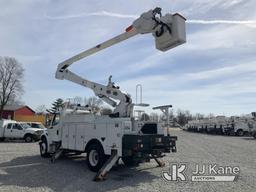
point(65, 137)
point(72, 137)
point(80, 137)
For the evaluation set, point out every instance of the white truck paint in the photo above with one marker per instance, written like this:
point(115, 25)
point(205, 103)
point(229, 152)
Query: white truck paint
point(16, 130)
point(118, 134)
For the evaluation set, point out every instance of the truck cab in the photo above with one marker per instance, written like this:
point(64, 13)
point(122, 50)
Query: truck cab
point(239, 126)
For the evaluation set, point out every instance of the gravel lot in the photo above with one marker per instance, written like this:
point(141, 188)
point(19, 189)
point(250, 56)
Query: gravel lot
point(22, 169)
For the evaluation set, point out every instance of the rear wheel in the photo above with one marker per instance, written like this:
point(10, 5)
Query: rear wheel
point(2, 139)
point(95, 157)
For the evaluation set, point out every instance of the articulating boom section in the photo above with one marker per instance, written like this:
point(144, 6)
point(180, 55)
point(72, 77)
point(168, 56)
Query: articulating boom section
point(108, 93)
point(169, 32)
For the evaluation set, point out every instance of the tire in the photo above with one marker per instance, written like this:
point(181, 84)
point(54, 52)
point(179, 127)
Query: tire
point(44, 148)
point(2, 139)
point(129, 161)
point(254, 135)
point(240, 133)
point(28, 138)
point(95, 157)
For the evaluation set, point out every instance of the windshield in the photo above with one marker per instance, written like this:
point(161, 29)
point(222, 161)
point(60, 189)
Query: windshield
point(56, 119)
point(37, 125)
point(53, 120)
point(24, 125)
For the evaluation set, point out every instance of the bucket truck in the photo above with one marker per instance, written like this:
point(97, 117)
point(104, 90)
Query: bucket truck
point(107, 138)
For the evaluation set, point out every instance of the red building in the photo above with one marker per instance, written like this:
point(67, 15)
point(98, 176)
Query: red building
point(11, 110)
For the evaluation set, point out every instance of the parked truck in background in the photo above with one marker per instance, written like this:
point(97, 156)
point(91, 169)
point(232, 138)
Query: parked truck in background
point(10, 129)
point(238, 126)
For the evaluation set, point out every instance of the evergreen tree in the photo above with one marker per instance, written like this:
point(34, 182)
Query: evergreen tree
point(56, 105)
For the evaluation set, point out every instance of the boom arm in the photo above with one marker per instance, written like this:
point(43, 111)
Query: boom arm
point(169, 32)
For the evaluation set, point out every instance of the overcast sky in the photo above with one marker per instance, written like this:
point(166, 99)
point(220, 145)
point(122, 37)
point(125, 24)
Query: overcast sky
point(213, 72)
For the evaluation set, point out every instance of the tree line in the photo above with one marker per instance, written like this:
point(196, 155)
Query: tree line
point(179, 117)
point(93, 103)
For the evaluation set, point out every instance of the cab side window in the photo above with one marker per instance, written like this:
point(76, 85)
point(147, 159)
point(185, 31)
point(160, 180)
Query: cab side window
point(17, 126)
point(9, 126)
point(56, 119)
point(35, 125)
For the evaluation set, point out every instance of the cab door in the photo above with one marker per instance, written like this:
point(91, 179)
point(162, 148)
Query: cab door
point(8, 130)
point(17, 131)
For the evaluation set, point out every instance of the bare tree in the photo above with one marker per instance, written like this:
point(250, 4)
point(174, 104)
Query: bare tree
point(210, 115)
point(77, 100)
point(11, 76)
point(199, 116)
point(183, 117)
point(154, 116)
point(41, 109)
point(94, 103)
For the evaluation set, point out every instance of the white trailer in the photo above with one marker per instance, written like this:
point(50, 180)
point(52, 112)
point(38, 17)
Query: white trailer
point(108, 138)
point(192, 125)
point(217, 124)
point(221, 124)
point(202, 125)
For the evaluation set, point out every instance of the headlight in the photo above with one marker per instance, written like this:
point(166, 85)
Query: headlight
point(158, 140)
point(39, 132)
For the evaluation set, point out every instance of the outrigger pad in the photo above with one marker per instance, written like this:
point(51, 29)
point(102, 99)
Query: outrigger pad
point(101, 175)
point(160, 162)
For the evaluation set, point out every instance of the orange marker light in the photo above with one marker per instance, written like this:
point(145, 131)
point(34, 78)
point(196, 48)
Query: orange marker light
point(129, 28)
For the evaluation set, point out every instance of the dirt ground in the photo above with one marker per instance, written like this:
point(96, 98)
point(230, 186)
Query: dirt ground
point(22, 168)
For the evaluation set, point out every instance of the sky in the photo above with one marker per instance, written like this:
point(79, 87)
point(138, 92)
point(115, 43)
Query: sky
point(214, 72)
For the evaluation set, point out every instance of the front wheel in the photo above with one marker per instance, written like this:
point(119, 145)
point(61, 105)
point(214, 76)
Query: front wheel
point(240, 133)
point(28, 138)
point(95, 157)
point(44, 148)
